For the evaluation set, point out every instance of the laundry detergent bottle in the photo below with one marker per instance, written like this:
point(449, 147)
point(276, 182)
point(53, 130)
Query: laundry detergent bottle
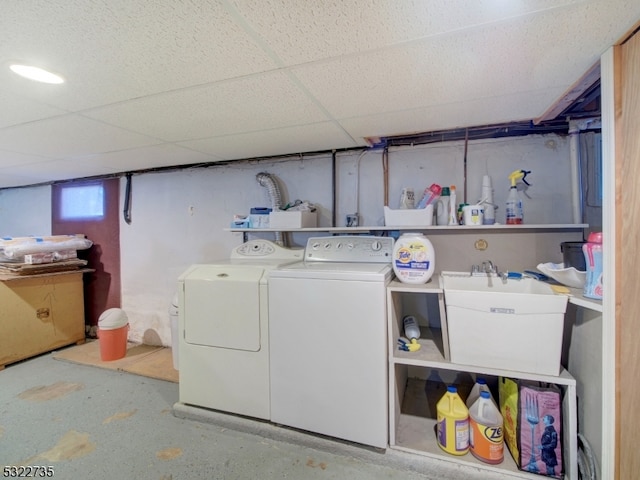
point(413, 258)
point(452, 423)
point(486, 440)
point(593, 259)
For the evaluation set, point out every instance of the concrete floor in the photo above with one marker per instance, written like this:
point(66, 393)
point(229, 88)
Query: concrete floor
point(88, 422)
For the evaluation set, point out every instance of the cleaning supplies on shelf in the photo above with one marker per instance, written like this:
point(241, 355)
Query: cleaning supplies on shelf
point(413, 258)
point(430, 196)
point(453, 207)
point(487, 201)
point(452, 425)
point(442, 207)
point(407, 198)
point(514, 210)
point(486, 440)
point(479, 386)
point(593, 258)
point(411, 328)
point(473, 214)
point(412, 332)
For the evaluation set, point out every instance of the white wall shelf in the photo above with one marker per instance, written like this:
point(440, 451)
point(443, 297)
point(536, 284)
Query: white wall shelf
point(577, 298)
point(431, 228)
point(415, 433)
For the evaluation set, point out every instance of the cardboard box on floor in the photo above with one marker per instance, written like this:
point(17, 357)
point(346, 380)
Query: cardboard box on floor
point(40, 313)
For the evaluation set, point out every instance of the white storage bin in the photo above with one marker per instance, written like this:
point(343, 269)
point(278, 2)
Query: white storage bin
point(515, 331)
point(415, 217)
point(296, 219)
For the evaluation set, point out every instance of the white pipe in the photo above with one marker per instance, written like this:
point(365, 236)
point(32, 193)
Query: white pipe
point(575, 127)
point(574, 155)
point(609, 225)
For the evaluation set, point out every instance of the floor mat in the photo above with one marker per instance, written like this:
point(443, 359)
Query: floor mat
point(146, 360)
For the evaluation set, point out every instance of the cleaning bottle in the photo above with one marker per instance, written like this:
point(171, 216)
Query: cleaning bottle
point(453, 207)
point(593, 258)
point(487, 201)
point(479, 386)
point(452, 423)
point(486, 439)
point(442, 207)
point(412, 332)
point(431, 195)
point(514, 212)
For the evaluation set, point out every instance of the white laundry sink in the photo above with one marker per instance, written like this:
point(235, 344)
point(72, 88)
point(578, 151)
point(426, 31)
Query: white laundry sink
point(514, 324)
point(491, 283)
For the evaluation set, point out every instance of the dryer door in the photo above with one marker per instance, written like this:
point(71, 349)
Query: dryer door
point(222, 306)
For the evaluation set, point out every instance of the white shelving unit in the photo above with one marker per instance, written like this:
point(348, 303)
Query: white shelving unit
point(415, 433)
point(430, 228)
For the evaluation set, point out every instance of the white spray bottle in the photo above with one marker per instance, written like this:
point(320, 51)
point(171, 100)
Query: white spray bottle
point(412, 332)
point(453, 206)
point(487, 200)
point(514, 210)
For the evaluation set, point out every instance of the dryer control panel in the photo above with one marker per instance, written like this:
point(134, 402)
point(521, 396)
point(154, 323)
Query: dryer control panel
point(349, 248)
point(264, 249)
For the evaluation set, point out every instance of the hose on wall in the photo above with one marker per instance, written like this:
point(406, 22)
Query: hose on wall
point(267, 180)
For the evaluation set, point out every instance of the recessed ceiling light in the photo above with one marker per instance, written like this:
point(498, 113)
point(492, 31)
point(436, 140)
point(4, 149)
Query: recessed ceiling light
point(36, 73)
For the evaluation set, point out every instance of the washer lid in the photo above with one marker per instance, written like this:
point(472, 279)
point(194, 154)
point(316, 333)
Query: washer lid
point(367, 272)
point(222, 306)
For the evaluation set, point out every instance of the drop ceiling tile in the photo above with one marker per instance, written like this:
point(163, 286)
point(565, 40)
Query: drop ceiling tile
point(10, 159)
point(301, 32)
point(68, 136)
point(476, 63)
point(449, 116)
point(45, 172)
point(289, 140)
point(122, 49)
point(155, 156)
point(12, 179)
point(17, 110)
point(254, 103)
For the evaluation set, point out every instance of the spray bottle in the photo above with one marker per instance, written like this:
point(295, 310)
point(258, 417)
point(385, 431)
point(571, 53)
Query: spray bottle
point(412, 332)
point(453, 206)
point(514, 202)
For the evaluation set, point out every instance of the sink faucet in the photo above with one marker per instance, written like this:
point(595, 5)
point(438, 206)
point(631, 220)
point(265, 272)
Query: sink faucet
point(486, 268)
point(489, 267)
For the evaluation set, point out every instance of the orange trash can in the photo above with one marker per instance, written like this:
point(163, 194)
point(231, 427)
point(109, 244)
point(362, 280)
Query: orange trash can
point(113, 329)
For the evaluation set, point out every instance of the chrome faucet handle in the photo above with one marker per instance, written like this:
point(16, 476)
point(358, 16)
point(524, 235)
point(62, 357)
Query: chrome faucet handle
point(489, 267)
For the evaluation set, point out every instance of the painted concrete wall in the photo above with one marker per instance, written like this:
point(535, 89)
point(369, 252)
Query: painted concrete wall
point(25, 211)
point(179, 217)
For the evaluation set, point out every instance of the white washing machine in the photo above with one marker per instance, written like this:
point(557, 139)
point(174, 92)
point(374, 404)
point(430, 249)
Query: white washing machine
point(224, 330)
point(329, 363)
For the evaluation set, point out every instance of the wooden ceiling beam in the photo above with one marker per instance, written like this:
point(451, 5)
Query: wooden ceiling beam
point(570, 96)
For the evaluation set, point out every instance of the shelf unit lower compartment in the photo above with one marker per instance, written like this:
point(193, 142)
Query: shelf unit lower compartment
point(412, 412)
point(413, 425)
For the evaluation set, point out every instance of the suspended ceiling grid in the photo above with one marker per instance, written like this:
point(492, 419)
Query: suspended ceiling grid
point(172, 82)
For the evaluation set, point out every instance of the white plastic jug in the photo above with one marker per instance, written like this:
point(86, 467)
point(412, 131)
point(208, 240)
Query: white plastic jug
point(479, 386)
point(486, 440)
point(442, 211)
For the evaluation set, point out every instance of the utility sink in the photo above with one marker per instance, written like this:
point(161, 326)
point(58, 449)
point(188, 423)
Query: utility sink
point(491, 283)
point(510, 324)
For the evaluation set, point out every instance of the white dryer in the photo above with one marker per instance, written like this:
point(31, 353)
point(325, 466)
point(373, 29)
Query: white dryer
point(328, 338)
point(224, 330)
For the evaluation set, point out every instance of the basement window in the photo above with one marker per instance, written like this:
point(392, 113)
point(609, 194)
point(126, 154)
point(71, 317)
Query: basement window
point(84, 202)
